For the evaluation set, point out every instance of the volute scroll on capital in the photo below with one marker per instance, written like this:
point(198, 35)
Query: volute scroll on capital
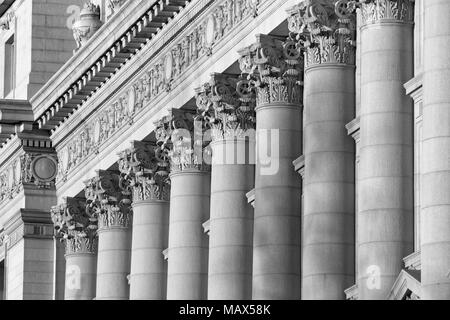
point(274, 67)
point(327, 29)
point(108, 200)
point(75, 227)
point(181, 133)
point(226, 106)
point(144, 172)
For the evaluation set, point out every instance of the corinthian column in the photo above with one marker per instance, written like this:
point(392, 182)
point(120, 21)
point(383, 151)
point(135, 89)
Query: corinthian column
point(230, 117)
point(111, 206)
point(187, 270)
point(435, 211)
point(78, 231)
point(277, 69)
point(327, 30)
point(385, 217)
point(144, 168)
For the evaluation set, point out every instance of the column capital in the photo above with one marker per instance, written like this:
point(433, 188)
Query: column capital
point(144, 171)
point(275, 67)
point(226, 105)
point(327, 29)
point(182, 134)
point(108, 199)
point(375, 11)
point(74, 226)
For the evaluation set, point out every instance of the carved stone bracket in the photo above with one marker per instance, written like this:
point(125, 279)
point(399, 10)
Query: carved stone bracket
point(182, 134)
point(144, 171)
point(108, 200)
point(226, 105)
point(374, 11)
point(275, 68)
point(75, 226)
point(327, 29)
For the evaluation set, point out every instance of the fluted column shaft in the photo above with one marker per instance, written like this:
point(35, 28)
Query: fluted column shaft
point(231, 223)
point(148, 277)
point(187, 275)
point(328, 248)
point(385, 217)
point(435, 208)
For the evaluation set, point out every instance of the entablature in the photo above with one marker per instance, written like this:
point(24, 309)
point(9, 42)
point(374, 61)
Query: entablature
point(127, 32)
point(155, 77)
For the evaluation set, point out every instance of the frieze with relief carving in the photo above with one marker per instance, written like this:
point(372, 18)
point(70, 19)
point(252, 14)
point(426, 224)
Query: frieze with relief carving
point(226, 105)
point(327, 29)
point(108, 200)
point(159, 78)
point(75, 227)
point(275, 68)
point(29, 169)
point(144, 170)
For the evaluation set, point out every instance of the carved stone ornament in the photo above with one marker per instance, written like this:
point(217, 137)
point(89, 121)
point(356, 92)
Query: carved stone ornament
point(182, 134)
point(7, 21)
point(152, 83)
point(31, 169)
point(275, 68)
point(144, 170)
point(327, 29)
point(88, 24)
point(114, 6)
point(108, 200)
point(75, 227)
point(226, 105)
point(374, 11)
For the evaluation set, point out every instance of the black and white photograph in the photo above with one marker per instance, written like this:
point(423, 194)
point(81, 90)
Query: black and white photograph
point(225, 155)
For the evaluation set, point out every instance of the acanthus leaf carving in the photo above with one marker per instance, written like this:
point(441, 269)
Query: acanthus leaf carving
point(74, 226)
point(182, 134)
point(108, 200)
point(275, 68)
point(144, 171)
point(374, 11)
point(327, 29)
point(154, 82)
point(226, 105)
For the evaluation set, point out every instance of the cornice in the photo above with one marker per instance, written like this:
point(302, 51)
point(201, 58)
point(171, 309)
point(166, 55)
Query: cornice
point(299, 165)
point(414, 87)
point(105, 53)
point(224, 53)
point(133, 70)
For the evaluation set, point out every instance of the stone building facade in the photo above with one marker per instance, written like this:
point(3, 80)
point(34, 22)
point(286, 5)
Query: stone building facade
point(224, 149)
